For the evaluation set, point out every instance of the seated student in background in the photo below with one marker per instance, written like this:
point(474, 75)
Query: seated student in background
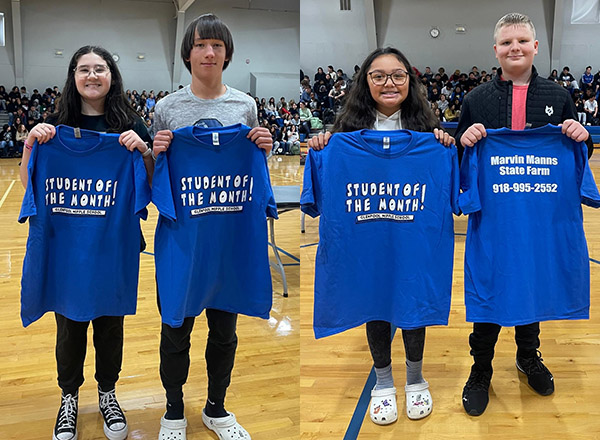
point(587, 79)
point(591, 109)
point(567, 79)
point(21, 136)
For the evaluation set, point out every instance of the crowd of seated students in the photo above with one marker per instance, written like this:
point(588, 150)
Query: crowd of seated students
point(291, 121)
point(585, 93)
point(325, 94)
point(25, 111)
point(446, 93)
point(144, 103)
point(285, 120)
point(323, 97)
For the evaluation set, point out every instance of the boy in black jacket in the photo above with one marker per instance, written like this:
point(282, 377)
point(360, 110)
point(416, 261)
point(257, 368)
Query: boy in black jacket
point(517, 98)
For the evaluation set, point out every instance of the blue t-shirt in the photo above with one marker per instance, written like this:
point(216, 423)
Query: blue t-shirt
point(386, 236)
point(84, 200)
point(213, 192)
point(526, 257)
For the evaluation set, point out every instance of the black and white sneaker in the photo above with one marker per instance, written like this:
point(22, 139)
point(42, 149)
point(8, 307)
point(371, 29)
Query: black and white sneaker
point(538, 376)
point(475, 396)
point(115, 425)
point(66, 421)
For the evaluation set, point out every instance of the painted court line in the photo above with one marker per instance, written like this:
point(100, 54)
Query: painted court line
point(288, 254)
point(362, 406)
point(594, 261)
point(7, 192)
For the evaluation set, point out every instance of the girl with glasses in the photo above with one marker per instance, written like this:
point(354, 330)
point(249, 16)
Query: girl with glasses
point(92, 99)
point(387, 95)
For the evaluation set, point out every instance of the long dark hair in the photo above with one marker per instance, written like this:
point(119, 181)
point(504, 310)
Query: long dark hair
point(119, 114)
point(359, 110)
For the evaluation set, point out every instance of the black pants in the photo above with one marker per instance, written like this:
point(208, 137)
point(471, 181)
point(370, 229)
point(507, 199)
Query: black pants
point(220, 354)
point(379, 336)
point(71, 345)
point(484, 337)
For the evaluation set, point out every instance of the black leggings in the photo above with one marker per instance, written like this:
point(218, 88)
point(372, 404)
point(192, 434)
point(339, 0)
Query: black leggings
point(71, 345)
point(379, 336)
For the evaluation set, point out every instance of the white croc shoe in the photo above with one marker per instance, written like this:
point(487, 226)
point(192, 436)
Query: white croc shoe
point(172, 429)
point(418, 400)
point(226, 428)
point(383, 409)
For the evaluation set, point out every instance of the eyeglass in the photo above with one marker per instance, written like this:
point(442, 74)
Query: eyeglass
point(398, 77)
point(98, 69)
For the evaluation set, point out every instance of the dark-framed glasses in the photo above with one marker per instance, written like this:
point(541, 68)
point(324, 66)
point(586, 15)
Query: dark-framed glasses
point(398, 77)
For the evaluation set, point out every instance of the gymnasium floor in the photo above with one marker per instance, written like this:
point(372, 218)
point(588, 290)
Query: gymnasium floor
point(264, 393)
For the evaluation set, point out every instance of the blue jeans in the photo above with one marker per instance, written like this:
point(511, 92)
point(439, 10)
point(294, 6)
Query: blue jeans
point(6, 144)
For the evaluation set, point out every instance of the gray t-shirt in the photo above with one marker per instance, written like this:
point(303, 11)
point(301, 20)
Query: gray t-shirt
point(183, 108)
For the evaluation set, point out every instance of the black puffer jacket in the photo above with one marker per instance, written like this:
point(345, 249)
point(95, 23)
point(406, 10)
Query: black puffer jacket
point(491, 105)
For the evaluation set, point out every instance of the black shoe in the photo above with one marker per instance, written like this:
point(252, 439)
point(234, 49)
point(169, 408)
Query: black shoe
point(66, 421)
point(475, 395)
point(115, 425)
point(538, 376)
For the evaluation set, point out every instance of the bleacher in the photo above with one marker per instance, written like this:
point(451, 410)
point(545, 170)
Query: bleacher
point(450, 127)
point(595, 133)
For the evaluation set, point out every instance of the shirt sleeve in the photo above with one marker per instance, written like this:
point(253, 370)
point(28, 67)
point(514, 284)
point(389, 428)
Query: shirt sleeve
point(143, 194)
point(309, 200)
point(253, 116)
point(464, 121)
point(455, 182)
point(159, 123)
point(28, 207)
point(162, 196)
point(588, 188)
point(271, 205)
point(569, 110)
point(141, 130)
point(468, 200)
